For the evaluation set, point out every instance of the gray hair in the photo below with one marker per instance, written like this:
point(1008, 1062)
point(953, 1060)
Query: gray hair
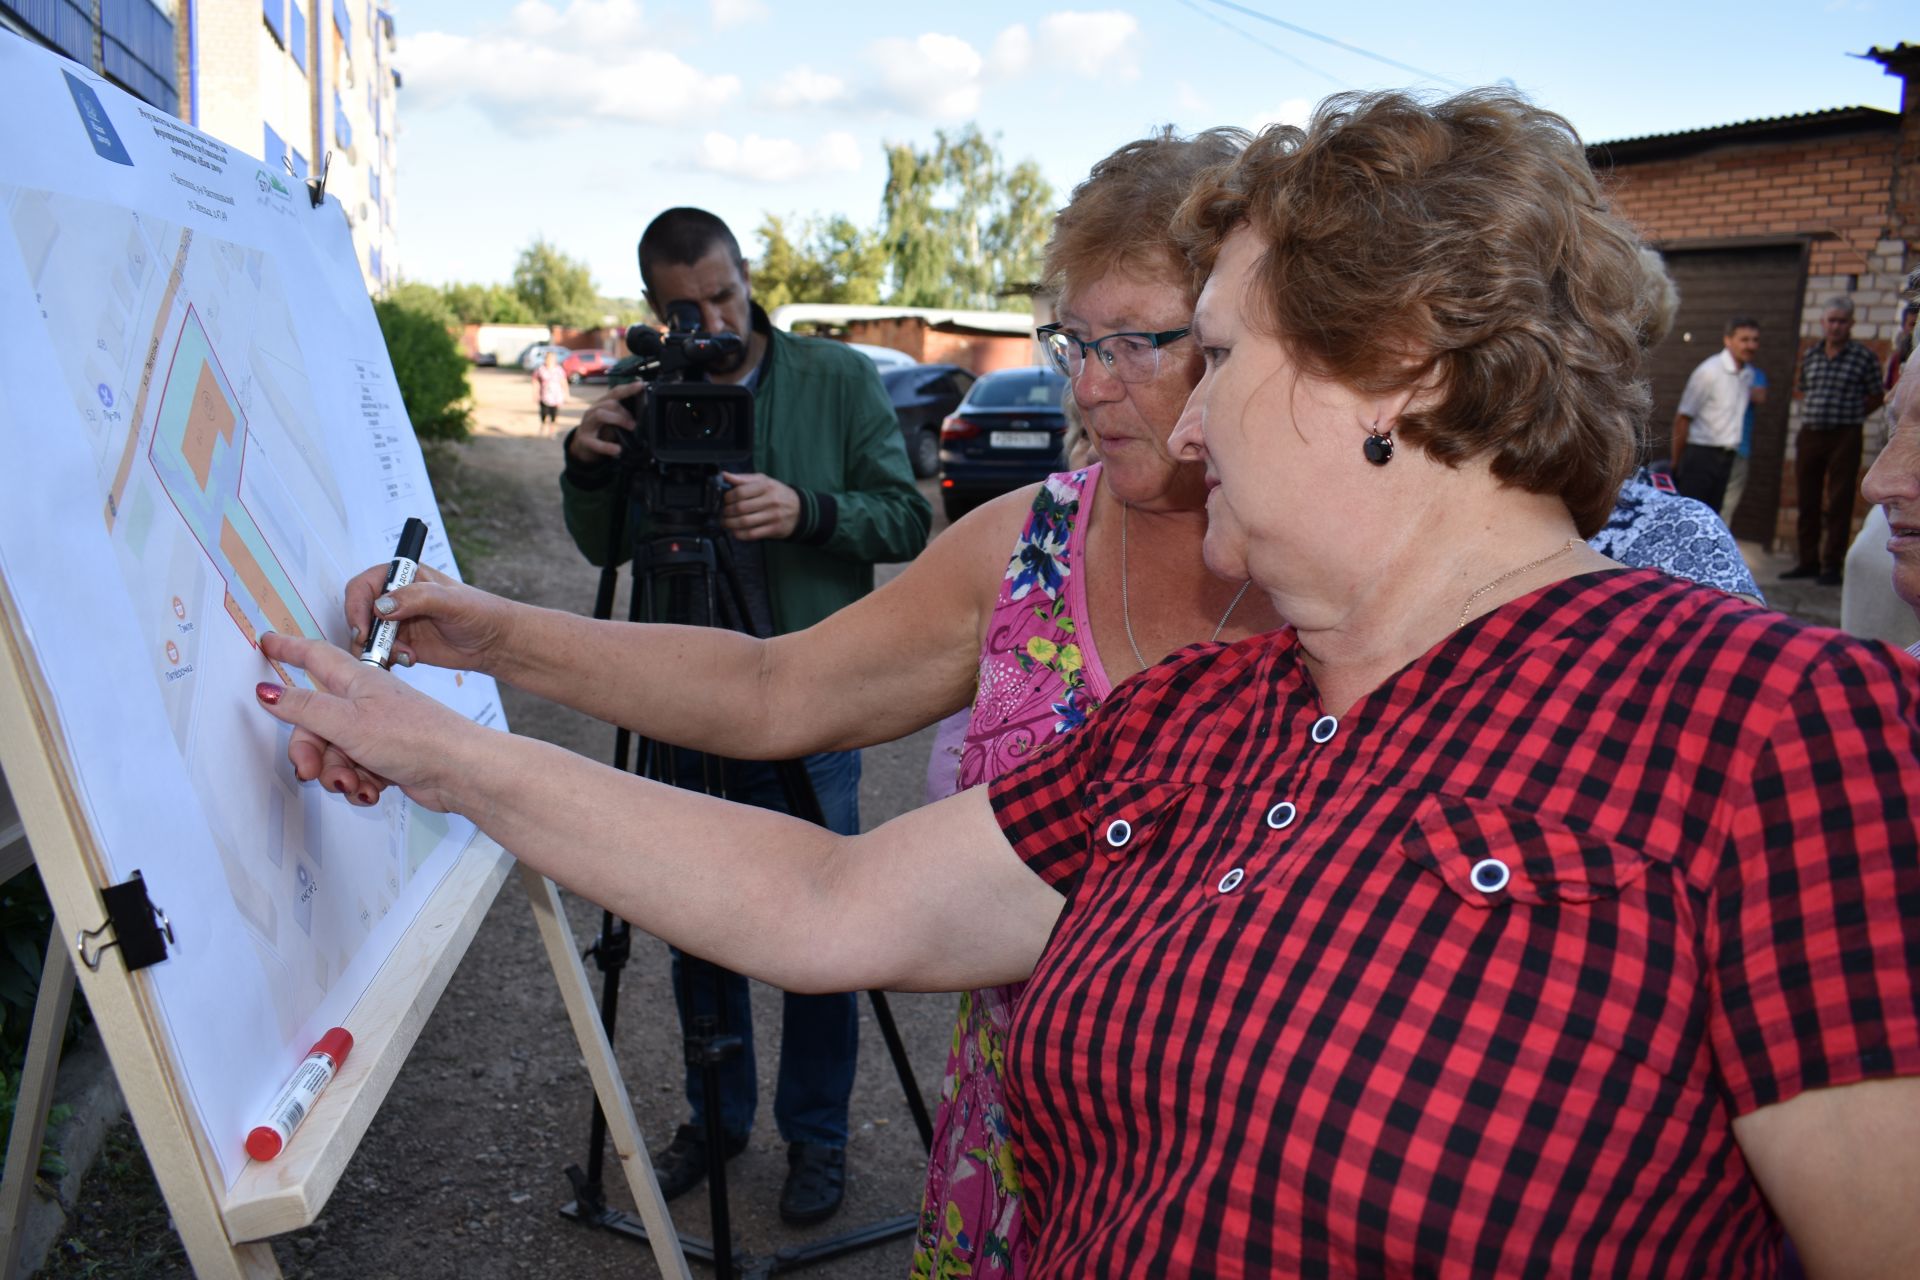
point(1660, 296)
point(1907, 387)
point(1839, 302)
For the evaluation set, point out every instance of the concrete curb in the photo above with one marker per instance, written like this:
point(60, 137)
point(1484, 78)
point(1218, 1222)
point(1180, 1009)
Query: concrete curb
point(86, 1084)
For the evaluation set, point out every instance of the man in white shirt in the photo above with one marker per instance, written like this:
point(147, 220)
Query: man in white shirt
point(1706, 431)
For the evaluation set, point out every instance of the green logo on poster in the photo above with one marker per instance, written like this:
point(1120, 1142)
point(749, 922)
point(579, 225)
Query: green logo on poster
point(270, 183)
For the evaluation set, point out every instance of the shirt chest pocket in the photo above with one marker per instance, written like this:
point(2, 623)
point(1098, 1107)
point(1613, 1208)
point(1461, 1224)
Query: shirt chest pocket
point(1129, 817)
point(1491, 855)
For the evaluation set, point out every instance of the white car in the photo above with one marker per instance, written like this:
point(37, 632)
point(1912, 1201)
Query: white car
point(530, 358)
point(884, 357)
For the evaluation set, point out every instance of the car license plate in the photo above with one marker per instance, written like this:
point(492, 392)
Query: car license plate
point(1019, 439)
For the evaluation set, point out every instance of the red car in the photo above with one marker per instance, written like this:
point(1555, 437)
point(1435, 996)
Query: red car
point(581, 365)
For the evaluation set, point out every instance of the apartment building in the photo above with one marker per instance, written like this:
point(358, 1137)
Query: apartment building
point(291, 81)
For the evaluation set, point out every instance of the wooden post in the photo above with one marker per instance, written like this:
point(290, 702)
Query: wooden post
point(30, 1105)
point(623, 1128)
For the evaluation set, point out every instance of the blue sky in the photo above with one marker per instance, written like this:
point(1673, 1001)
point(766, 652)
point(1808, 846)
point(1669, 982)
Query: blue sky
point(581, 119)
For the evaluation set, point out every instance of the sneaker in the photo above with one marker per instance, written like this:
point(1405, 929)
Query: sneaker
point(682, 1164)
point(1800, 571)
point(816, 1183)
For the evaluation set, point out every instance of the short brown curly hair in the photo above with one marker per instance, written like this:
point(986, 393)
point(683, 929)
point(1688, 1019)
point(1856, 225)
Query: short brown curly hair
point(1461, 245)
point(1120, 217)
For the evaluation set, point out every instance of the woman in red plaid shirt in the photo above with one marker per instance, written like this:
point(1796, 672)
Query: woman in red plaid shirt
point(1510, 913)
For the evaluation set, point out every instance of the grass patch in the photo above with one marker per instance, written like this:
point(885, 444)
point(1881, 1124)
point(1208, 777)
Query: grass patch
point(464, 502)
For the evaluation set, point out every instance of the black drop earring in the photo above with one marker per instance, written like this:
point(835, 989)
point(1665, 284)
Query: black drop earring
point(1379, 448)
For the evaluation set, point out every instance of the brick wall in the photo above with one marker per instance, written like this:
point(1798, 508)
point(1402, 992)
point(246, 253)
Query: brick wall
point(981, 353)
point(1839, 192)
point(1836, 189)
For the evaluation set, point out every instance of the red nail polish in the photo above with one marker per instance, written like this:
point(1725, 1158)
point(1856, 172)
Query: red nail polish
point(268, 693)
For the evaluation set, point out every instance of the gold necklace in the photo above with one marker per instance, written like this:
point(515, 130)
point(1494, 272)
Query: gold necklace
point(1126, 614)
point(1467, 608)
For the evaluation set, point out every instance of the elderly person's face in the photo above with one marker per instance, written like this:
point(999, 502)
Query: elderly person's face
point(1894, 483)
point(1281, 448)
point(1128, 422)
point(1838, 325)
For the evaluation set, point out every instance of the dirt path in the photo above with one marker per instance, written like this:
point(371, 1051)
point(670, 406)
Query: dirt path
point(461, 1173)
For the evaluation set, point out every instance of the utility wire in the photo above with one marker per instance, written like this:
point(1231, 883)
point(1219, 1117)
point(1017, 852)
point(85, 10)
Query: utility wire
point(1338, 44)
point(1250, 38)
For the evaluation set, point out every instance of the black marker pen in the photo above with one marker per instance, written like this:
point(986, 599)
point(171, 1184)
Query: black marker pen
point(406, 563)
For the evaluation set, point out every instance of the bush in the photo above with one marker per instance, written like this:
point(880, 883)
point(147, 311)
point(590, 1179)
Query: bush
point(429, 367)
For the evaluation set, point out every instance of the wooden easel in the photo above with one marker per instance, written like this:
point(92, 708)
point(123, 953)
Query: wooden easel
point(224, 1231)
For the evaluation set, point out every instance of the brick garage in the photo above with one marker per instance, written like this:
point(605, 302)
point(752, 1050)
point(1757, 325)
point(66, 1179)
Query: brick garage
point(1770, 218)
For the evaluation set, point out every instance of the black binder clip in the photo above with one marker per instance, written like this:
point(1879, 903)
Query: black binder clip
point(316, 187)
point(140, 929)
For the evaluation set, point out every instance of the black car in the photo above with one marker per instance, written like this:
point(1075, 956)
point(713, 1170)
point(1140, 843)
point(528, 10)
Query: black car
point(923, 395)
point(1008, 432)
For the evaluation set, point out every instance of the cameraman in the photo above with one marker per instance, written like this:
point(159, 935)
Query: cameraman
point(830, 495)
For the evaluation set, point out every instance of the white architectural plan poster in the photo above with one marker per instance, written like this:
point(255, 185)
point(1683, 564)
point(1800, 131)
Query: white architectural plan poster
point(202, 440)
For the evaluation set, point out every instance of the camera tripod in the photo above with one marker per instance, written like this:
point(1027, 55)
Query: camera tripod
point(678, 573)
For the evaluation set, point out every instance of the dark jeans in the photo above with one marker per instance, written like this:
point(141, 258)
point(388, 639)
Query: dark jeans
point(819, 1035)
point(1703, 473)
point(1828, 471)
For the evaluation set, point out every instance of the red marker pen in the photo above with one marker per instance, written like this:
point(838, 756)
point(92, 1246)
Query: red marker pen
point(323, 1062)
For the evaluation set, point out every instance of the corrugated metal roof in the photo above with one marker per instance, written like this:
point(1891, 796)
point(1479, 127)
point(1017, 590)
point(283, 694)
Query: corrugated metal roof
point(1767, 129)
point(1830, 115)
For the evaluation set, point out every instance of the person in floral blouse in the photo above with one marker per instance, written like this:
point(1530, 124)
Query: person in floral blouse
point(1025, 615)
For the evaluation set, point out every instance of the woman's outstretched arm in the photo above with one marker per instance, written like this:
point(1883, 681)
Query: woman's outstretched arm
point(759, 892)
point(884, 666)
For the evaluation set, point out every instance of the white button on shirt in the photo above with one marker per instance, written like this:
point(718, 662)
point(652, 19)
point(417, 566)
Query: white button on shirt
point(1716, 399)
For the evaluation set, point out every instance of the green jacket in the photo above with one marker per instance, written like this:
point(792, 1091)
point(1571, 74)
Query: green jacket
point(823, 424)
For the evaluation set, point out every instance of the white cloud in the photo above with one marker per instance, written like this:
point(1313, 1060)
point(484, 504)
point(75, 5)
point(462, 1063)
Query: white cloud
point(1094, 45)
point(1012, 52)
point(548, 67)
point(942, 76)
point(1292, 111)
point(933, 75)
point(757, 159)
point(1189, 100)
point(728, 14)
point(805, 87)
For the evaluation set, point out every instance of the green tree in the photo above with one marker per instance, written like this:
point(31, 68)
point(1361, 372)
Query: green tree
point(960, 227)
point(425, 300)
point(555, 288)
point(426, 362)
point(826, 260)
point(487, 304)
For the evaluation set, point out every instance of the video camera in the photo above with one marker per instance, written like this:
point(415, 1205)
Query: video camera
point(690, 429)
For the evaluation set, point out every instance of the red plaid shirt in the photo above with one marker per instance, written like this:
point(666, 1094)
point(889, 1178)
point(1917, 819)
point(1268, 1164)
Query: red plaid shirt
point(1473, 981)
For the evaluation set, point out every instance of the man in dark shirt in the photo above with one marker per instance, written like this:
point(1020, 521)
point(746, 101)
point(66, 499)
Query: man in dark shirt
point(1839, 385)
point(828, 496)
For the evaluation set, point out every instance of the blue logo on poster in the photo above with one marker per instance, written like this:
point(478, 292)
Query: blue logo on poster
point(105, 393)
point(100, 130)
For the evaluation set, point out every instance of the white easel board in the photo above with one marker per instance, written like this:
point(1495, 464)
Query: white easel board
point(204, 439)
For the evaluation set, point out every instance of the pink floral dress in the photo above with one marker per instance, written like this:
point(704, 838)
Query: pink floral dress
point(1039, 676)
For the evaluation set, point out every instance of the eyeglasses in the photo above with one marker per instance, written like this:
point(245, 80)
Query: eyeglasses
point(1130, 357)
